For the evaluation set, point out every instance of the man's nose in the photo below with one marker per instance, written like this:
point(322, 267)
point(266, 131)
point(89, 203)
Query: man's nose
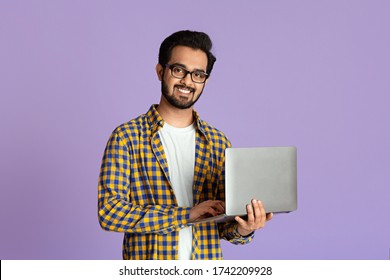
point(187, 80)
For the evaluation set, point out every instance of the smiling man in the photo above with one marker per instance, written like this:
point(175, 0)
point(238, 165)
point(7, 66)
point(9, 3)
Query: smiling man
point(165, 169)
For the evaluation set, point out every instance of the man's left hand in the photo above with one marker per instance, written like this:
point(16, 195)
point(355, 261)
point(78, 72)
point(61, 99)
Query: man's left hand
point(256, 218)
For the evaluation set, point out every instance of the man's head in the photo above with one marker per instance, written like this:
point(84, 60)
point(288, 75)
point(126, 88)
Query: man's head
point(185, 62)
point(192, 39)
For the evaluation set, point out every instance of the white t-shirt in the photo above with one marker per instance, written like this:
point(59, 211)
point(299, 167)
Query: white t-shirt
point(179, 148)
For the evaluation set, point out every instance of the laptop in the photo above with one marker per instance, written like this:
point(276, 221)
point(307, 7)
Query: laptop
point(265, 173)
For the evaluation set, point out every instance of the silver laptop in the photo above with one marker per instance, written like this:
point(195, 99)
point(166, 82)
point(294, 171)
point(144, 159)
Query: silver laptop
point(267, 173)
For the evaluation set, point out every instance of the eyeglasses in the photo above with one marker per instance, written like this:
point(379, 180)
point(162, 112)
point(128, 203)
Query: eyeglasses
point(180, 72)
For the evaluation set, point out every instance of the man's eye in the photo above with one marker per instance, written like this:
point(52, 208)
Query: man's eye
point(199, 74)
point(178, 70)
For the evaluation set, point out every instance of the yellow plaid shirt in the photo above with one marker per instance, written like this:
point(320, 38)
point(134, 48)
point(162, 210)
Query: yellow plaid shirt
point(135, 195)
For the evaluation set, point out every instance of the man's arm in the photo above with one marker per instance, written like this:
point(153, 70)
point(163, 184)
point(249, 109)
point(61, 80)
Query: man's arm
point(116, 212)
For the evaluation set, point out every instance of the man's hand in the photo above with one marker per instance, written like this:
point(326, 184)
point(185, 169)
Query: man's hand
point(256, 218)
point(205, 209)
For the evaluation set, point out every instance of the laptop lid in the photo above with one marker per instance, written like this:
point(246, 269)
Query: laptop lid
point(265, 173)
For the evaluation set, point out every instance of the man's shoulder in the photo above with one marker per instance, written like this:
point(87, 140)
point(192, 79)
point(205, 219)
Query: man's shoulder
point(133, 126)
point(214, 133)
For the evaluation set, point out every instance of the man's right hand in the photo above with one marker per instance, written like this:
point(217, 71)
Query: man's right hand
point(205, 209)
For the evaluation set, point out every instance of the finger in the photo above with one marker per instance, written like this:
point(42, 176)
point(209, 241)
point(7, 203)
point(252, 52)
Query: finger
point(219, 207)
point(269, 216)
point(249, 211)
point(256, 208)
point(262, 212)
point(241, 221)
point(222, 203)
point(210, 210)
point(206, 209)
point(214, 202)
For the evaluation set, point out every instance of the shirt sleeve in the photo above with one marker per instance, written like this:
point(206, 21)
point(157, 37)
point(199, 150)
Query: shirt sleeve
point(229, 232)
point(115, 210)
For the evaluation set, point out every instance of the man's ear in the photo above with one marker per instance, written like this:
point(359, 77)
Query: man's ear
point(159, 71)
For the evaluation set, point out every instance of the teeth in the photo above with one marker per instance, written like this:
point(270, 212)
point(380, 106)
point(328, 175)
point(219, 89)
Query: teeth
point(184, 90)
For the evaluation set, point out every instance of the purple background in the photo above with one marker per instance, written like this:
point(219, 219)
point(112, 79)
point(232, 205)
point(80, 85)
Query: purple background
point(314, 74)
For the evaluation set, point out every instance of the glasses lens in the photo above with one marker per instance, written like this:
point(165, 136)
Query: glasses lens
point(178, 72)
point(198, 76)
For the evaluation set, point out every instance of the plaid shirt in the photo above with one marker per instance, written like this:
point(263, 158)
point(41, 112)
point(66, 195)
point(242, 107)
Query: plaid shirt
point(135, 195)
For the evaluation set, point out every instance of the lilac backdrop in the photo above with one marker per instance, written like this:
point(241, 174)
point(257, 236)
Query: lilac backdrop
point(314, 74)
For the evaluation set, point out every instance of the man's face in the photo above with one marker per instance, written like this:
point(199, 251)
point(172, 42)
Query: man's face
point(182, 93)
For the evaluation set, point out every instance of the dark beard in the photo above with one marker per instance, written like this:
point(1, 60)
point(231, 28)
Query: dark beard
point(174, 101)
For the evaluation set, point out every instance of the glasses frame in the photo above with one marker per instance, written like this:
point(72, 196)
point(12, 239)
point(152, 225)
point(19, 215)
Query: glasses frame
point(171, 66)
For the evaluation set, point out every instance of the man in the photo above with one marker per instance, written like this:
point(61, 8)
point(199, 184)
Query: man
point(165, 169)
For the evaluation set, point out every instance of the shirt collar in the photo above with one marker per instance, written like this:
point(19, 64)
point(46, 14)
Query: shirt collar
point(199, 123)
point(154, 118)
point(156, 121)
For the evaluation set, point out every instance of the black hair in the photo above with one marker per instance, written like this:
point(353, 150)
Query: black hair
point(193, 39)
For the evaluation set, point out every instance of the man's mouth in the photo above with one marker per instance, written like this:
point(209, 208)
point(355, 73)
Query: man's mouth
point(184, 90)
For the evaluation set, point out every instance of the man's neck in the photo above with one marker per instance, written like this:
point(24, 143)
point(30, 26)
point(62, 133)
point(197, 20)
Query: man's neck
point(174, 116)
